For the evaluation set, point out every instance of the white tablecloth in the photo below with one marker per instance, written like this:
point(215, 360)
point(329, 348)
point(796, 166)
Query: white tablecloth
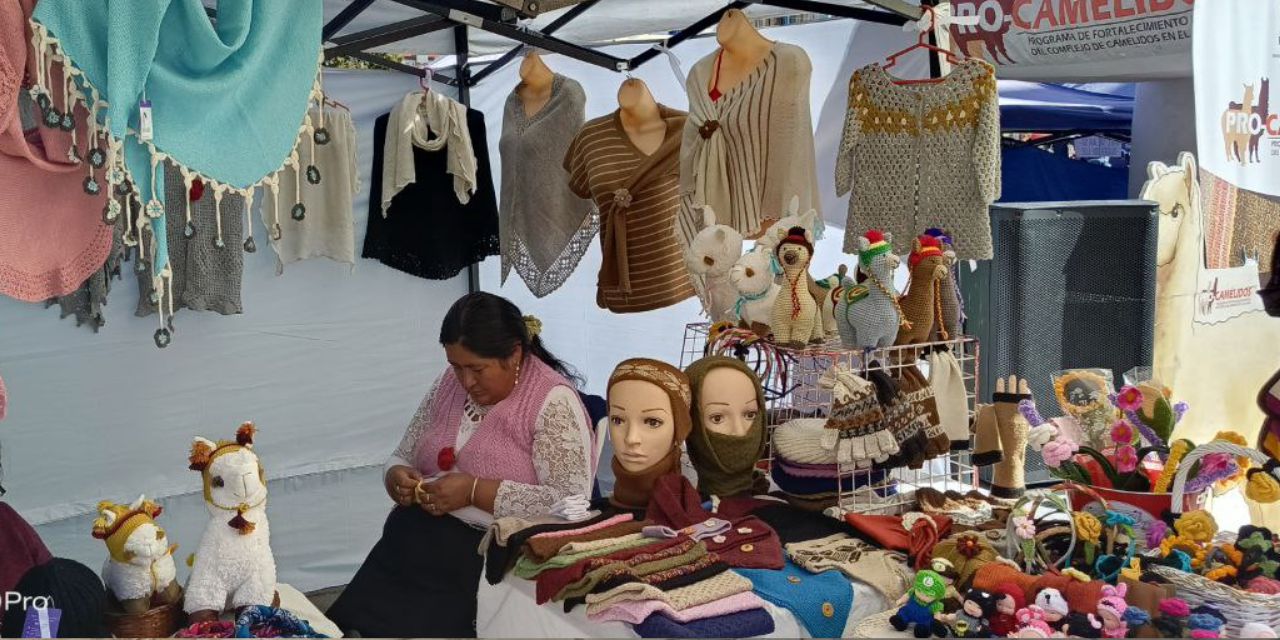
point(509, 610)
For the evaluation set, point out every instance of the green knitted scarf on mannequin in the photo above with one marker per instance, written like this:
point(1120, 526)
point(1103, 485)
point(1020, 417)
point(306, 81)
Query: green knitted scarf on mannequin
point(725, 464)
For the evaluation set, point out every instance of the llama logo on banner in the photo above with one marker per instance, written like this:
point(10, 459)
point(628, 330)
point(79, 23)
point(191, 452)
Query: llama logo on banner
point(1237, 126)
point(1045, 39)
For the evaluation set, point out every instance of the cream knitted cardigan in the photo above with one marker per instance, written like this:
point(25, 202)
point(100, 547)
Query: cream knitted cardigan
point(922, 155)
point(715, 588)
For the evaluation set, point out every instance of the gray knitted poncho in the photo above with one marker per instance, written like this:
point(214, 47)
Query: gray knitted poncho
point(544, 227)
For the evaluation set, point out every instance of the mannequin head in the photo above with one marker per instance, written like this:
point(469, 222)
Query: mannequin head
point(634, 94)
point(736, 31)
point(728, 434)
point(648, 421)
point(533, 70)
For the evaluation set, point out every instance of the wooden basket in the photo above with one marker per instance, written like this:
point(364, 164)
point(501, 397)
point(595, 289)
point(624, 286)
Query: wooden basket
point(1239, 607)
point(158, 622)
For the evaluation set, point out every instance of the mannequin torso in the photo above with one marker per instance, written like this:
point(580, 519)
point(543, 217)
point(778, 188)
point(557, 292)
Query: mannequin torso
point(535, 84)
point(640, 117)
point(742, 50)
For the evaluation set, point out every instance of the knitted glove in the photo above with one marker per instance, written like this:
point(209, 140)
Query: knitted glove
point(921, 396)
point(951, 396)
point(1010, 475)
point(986, 437)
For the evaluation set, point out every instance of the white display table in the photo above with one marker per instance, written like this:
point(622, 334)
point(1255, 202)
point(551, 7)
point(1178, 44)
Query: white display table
point(509, 610)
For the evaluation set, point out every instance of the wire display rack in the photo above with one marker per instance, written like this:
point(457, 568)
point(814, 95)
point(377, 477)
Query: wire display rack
point(790, 379)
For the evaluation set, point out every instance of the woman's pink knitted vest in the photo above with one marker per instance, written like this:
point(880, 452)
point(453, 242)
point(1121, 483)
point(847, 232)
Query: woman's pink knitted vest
point(502, 446)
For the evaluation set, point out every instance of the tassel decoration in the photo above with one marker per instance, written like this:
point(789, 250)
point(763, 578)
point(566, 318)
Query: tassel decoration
point(240, 524)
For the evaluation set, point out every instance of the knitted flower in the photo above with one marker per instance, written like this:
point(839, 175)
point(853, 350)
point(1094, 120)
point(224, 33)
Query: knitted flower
point(1135, 617)
point(446, 459)
point(1262, 487)
point(1177, 451)
point(1117, 519)
point(968, 545)
point(1126, 459)
point(1039, 436)
point(1266, 586)
point(1129, 398)
point(1059, 451)
point(1243, 463)
point(1176, 607)
point(1156, 532)
point(1198, 526)
point(1122, 432)
point(1024, 527)
point(1088, 528)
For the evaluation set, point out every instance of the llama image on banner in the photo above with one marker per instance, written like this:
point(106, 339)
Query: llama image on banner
point(1235, 127)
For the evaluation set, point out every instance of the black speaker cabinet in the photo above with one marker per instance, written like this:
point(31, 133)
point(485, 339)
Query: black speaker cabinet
point(1071, 285)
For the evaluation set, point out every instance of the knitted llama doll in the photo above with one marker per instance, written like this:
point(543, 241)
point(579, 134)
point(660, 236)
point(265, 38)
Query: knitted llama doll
point(952, 310)
point(867, 314)
point(234, 566)
point(139, 568)
point(754, 277)
point(922, 304)
point(710, 257)
point(797, 320)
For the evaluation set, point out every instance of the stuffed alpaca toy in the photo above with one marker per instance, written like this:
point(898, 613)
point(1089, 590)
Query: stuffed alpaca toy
point(234, 567)
point(710, 258)
point(922, 304)
point(809, 220)
point(754, 277)
point(139, 570)
point(952, 311)
point(867, 314)
point(827, 302)
point(797, 318)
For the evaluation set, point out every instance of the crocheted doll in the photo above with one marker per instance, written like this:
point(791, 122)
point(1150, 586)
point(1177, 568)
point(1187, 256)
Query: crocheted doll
point(1054, 606)
point(922, 304)
point(711, 255)
point(867, 314)
point(754, 277)
point(917, 608)
point(1206, 622)
point(971, 621)
point(952, 311)
point(1031, 624)
point(139, 568)
point(1000, 438)
point(797, 320)
point(1111, 608)
point(234, 566)
point(1009, 600)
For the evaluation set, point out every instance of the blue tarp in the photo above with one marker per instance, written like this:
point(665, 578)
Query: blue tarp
point(1038, 107)
point(1030, 174)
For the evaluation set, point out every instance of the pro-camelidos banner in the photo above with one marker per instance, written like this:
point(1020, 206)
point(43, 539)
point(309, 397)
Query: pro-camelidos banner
point(1236, 57)
point(1066, 40)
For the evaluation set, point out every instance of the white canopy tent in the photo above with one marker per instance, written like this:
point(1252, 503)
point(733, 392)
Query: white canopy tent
point(331, 364)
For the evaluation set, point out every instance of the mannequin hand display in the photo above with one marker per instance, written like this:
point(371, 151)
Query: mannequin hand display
point(446, 494)
point(400, 483)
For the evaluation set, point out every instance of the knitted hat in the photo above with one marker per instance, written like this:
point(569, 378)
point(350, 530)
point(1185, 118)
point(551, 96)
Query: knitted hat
point(632, 489)
point(877, 246)
point(985, 600)
point(941, 235)
point(928, 246)
point(795, 235)
point(121, 522)
point(930, 584)
point(72, 588)
point(854, 405)
point(725, 464)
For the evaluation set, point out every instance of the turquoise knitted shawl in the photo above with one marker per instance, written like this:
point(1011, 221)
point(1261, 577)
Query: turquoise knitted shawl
point(227, 98)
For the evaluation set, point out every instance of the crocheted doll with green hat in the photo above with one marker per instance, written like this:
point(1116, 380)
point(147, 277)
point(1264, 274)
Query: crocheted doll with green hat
point(917, 608)
point(867, 314)
point(728, 436)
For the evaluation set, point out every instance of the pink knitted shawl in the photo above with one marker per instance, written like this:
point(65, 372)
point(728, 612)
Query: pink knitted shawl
point(502, 446)
point(635, 611)
point(52, 237)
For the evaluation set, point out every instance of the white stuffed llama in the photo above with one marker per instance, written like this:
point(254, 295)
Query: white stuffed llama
point(809, 220)
point(234, 566)
point(713, 253)
point(754, 277)
point(139, 568)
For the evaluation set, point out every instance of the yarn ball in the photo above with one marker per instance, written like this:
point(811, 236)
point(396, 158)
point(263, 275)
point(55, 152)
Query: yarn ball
point(73, 588)
point(1263, 585)
point(1135, 617)
point(1204, 621)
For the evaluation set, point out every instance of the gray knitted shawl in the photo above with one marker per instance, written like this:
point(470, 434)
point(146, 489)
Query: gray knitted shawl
point(545, 229)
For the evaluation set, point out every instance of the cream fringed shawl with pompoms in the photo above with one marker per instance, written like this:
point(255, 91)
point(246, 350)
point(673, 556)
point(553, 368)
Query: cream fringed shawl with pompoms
point(228, 99)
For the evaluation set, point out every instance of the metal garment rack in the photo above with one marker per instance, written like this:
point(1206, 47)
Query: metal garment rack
point(502, 20)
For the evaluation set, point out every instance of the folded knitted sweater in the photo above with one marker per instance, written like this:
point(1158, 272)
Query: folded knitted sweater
point(500, 557)
point(529, 569)
point(685, 554)
point(704, 568)
point(722, 586)
point(636, 611)
point(743, 624)
point(749, 542)
point(885, 571)
point(566, 533)
point(552, 581)
point(542, 548)
point(822, 602)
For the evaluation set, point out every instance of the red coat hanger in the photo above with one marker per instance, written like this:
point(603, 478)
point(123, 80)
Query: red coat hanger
point(921, 43)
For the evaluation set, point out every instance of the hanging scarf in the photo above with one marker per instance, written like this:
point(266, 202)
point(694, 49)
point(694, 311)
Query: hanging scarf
point(725, 464)
point(429, 121)
point(52, 238)
point(227, 100)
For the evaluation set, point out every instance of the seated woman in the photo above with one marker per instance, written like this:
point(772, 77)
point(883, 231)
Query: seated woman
point(501, 433)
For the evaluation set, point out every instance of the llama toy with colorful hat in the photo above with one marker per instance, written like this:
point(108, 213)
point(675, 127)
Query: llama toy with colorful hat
point(139, 572)
point(867, 313)
point(234, 567)
point(922, 303)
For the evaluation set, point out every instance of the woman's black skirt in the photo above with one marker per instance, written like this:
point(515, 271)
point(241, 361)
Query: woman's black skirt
point(419, 581)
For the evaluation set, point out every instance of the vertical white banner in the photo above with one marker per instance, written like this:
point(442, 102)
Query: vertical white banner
point(1236, 58)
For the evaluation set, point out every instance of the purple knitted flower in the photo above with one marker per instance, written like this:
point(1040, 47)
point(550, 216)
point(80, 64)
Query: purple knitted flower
point(1029, 411)
point(1155, 533)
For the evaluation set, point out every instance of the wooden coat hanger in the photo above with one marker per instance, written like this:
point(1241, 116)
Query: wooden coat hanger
point(921, 43)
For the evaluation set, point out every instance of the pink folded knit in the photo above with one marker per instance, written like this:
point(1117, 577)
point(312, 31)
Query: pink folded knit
point(809, 471)
point(635, 611)
point(52, 237)
point(562, 533)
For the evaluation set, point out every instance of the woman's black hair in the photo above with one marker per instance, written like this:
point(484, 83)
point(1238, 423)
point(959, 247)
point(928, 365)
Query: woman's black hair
point(491, 326)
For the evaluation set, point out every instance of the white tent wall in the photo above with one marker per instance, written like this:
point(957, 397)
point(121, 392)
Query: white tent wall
point(330, 362)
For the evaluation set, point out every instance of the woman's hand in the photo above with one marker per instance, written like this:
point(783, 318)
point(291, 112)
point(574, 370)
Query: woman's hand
point(448, 494)
point(400, 482)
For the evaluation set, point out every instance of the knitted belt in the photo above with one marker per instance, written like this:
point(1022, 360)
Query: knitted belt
point(615, 242)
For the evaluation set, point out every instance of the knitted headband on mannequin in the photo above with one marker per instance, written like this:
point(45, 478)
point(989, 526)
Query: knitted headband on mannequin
point(668, 378)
